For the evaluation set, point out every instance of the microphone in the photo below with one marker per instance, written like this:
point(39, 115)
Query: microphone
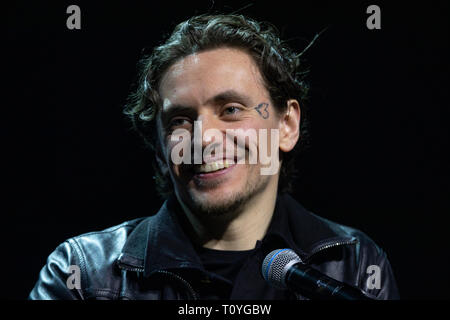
point(284, 269)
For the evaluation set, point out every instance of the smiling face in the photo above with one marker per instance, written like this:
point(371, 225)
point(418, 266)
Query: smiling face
point(223, 89)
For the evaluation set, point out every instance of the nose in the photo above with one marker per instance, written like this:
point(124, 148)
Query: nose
point(208, 137)
point(210, 129)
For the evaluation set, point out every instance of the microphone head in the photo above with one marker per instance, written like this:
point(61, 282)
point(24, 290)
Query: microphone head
point(276, 264)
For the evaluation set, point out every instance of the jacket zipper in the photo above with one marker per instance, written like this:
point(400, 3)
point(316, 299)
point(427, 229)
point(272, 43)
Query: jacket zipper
point(186, 284)
point(134, 269)
point(168, 273)
point(129, 267)
point(330, 245)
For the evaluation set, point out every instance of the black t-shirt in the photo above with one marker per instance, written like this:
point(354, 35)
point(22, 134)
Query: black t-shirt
point(222, 262)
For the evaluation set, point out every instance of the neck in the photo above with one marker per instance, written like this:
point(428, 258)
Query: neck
point(240, 232)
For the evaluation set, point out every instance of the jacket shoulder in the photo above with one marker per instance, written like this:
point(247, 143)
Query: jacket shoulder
point(112, 236)
point(94, 255)
point(363, 263)
point(97, 251)
point(375, 275)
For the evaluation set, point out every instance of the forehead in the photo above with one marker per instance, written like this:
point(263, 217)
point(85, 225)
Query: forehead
point(199, 76)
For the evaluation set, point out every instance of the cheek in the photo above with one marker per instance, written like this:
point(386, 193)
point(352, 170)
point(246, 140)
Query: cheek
point(264, 128)
point(177, 150)
point(262, 140)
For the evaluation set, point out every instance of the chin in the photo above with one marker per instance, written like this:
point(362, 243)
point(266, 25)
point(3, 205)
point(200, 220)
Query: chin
point(212, 204)
point(223, 199)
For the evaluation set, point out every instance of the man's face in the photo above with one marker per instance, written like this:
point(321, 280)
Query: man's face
point(222, 89)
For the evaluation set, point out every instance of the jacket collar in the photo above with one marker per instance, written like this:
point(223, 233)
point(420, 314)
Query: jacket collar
point(160, 243)
point(303, 231)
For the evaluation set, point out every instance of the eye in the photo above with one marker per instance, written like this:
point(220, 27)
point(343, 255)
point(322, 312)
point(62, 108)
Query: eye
point(231, 110)
point(179, 122)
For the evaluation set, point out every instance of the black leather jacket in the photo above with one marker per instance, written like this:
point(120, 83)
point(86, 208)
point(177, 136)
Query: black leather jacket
point(152, 258)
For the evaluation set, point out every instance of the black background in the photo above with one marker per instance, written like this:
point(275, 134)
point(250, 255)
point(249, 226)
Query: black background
point(379, 138)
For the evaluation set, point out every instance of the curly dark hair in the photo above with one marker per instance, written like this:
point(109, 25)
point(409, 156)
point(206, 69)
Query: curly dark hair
point(280, 67)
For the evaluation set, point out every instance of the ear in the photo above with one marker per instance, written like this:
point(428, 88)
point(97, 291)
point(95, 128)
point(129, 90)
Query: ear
point(290, 126)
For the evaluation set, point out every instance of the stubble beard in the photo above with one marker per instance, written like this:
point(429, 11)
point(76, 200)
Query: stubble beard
point(231, 205)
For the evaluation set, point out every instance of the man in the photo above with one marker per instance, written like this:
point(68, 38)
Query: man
point(222, 91)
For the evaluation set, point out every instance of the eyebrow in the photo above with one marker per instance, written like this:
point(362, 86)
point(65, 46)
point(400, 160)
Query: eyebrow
point(227, 95)
point(176, 109)
point(230, 95)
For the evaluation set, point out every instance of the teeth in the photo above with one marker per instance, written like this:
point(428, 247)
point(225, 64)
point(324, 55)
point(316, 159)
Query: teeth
point(212, 166)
